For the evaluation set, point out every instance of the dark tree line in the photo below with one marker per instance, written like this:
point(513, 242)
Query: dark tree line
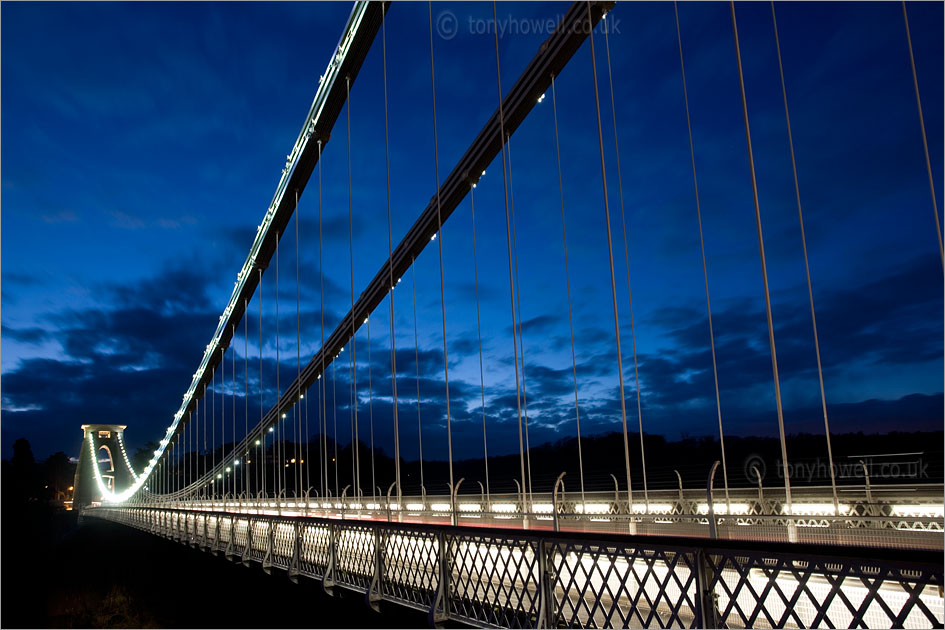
point(27, 481)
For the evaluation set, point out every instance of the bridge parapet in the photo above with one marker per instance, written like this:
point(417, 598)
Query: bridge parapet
point(514, 578)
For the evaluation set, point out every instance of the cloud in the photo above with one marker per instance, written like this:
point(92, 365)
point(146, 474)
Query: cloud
point(63, 216)
point(32, 335)
point(126, 221)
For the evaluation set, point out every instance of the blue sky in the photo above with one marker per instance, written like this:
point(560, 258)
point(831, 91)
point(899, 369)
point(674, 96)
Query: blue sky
point(142, 144)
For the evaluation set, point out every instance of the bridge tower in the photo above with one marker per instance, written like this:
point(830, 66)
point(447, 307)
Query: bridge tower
point(105, 440)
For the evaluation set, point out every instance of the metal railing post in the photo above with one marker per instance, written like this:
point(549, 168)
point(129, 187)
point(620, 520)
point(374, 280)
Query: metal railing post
point(707, 608)
point(328, 581)
point(230, 551)
point(440, 610)
point(682, 500)
point(761, 492)
point(344, 492)
point(247, 549)
point(453, 491)
point(869, 491)
point(296, 552)
point(389, 488)
point(554, 499)
point(270, 534)
point(617, 496)
point(713, 532)
point(546, 610)
point(374, 595)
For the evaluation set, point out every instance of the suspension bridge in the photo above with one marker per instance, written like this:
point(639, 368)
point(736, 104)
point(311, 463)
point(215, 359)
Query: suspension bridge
point(517, 550)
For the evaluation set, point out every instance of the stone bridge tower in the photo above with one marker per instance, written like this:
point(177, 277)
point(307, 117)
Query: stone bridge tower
point(106, 441)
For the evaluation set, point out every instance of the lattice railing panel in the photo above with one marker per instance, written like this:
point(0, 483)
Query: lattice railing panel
point(775, 591)
point(240, 534)
point(623, 586)
point(411, 565)
point(260, 539)
point(201, 530)
point(354, 555)
point(283, 544)
point(315, 549)
point(226, 524)
point(493, 579)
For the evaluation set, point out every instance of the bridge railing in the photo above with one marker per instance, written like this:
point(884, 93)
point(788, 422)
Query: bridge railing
point(905, 518)
point(518, 578)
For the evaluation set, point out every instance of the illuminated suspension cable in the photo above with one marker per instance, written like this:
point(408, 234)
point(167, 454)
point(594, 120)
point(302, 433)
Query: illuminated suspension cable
point(298, 353)
point(308, 439)
point(246, 395)
point(280, 455)
point(482, 385)
point(626, 252)
point(925, 142)
point(233, 445)
point(764, 269)
point(262, 449)
point(439, 229)
point(185, 455)
point(810, 291)
point(213, 432)
point(521, 332)
point(567, 284)
point(353, 412)
point(191, 455)
point(390, 264)
point(416, 342)
point(323, 392)
point(205, 432)
point(367, 320)
point(334, 402)
point(613, 278)
point(223, 423)
point(705, 269)
point(508, 234)
point(195, 445)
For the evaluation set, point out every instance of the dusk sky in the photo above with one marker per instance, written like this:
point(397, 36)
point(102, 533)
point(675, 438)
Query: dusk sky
point(142, 144)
